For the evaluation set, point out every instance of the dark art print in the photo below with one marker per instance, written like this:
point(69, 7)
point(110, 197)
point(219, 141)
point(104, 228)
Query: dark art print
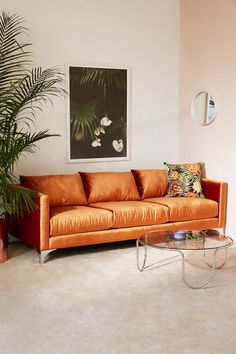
point(98, 114)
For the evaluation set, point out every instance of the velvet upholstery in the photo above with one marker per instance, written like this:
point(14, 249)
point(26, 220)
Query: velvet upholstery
point(127, 233)
point(71, 219)
point(151, 183)
point(33, 229)
point(217, 191)
point(109, 186)
point(132, 213)
point(181, 209)
point(61, 189)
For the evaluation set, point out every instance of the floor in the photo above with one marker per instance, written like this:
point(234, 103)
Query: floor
point(93, 300)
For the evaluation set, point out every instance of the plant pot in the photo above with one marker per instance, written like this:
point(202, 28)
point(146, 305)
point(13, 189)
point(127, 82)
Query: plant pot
point(3, 242)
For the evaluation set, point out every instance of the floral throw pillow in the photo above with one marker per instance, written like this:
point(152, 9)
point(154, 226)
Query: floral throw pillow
point(184, 180)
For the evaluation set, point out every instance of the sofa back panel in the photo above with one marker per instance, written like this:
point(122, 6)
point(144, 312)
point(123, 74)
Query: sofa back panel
point(151, 183)
point(61, 189)
point(109, 186)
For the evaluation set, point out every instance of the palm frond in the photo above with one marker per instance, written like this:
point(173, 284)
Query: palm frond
point(13, 54)
point(12, 147)
point(84, 119)
point(31, 92)
point(13, 198)
point(23, 91)
point(108, 78)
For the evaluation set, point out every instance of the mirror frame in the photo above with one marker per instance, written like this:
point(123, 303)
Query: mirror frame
point(193, 109)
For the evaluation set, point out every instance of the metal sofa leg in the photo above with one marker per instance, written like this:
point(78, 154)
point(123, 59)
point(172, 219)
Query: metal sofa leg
point(43, 255)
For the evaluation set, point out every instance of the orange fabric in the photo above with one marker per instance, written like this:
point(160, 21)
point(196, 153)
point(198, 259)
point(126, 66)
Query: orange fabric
point(184, 208)
point(151, 183)
point(33, 228)
point(217, 191)
point(76, 219)
point(128, 233)
point(132, 213)
point(44, 221)
point(109, 186)
point(61, 189)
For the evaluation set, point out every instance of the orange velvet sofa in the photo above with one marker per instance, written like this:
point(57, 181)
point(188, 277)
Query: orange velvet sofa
point(99, 207)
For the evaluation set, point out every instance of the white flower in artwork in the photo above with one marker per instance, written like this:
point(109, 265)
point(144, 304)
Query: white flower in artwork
point(118, 145)
point(96, 142)
point(99, 130)
point(105, 121)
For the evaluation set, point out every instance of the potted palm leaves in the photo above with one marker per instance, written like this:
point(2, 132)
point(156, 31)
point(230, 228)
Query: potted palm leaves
point(24, 90)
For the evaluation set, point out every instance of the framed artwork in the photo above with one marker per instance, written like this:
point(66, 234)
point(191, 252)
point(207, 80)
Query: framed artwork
point(98, 114)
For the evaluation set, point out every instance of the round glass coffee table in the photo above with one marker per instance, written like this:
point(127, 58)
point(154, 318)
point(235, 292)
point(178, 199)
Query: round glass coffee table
point(210, 241)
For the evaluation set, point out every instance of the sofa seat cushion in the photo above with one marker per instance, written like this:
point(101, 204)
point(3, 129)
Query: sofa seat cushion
point(77, 219)
point(134, 213)
point(184, 208)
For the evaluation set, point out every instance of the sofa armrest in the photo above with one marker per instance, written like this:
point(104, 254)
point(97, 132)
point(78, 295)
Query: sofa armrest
point(33, 227)
point(217, 191)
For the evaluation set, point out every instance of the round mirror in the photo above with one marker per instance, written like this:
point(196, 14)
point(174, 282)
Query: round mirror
point(203, 108)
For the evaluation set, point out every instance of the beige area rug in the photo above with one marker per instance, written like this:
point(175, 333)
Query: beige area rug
point(93, 300)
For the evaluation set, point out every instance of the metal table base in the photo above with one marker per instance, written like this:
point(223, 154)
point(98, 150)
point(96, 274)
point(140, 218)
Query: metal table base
point(212, 265)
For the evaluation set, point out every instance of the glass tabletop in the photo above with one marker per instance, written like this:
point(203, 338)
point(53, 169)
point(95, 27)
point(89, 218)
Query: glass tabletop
point(194, 240)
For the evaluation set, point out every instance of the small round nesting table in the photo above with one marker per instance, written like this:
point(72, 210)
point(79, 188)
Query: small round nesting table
point(209, 241)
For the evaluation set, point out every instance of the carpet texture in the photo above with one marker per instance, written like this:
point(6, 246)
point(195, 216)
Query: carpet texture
point(93, 300)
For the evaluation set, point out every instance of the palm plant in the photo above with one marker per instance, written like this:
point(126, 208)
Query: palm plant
point(23, 91)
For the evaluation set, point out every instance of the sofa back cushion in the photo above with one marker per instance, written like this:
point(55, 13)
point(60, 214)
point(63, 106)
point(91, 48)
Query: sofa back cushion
point(61, 189)
point(109, 186)
point(151, 183)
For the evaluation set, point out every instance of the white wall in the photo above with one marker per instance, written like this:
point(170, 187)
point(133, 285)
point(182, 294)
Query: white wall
point(141, 34)
point(208, 62)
